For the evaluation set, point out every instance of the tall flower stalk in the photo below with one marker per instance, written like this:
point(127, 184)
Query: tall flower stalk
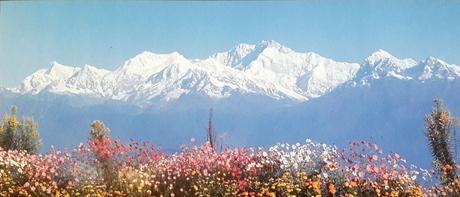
point(440, 127)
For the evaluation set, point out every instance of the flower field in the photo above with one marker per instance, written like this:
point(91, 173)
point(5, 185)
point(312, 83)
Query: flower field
point(110, 168)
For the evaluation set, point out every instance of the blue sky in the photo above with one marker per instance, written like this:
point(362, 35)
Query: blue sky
point(103, 34)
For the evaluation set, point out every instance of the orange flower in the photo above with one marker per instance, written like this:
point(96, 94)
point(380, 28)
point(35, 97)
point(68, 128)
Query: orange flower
point(353, 184)
point(457, 182)
point(331, 188)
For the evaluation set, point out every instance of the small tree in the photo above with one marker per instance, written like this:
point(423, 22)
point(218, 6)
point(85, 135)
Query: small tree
point(440, 126)
point(26, 136)
point(19, 135)
point(100, 144)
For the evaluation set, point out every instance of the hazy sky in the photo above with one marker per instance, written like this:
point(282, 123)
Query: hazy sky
point(103, 34)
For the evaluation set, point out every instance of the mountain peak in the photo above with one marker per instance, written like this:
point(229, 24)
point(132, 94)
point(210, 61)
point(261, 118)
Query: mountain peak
point(234, 57)
point(61, 71)
point(434, 61)
point(40, 79)
point(271, 44)
point(242, 50)
point(242, 55)
point(383, 59)
point(147, 63)
point(434, 68)
point(56, 66)
point(379, 55)
point(381, 65)
point(88, 67)
point(145, 55)
point(93, 70)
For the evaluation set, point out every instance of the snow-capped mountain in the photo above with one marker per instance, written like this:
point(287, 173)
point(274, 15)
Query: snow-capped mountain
point(43, 78)
point(265, 69)
point(257, 94)
point(433, 69)
point(305, 75)
point(381, 65)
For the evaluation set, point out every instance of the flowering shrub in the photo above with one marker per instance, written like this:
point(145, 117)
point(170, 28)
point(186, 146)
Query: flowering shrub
point(141, 169)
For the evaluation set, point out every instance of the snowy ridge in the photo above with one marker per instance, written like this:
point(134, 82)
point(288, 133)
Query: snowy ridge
point(437, 69)
point(268, 69)
point(43, 78)
point(382, 64)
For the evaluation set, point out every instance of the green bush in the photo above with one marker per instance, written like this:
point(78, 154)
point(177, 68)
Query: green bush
point(19, 134)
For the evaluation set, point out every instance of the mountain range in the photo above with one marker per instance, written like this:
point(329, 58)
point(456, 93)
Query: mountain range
point(267, 69)
point(261, 94)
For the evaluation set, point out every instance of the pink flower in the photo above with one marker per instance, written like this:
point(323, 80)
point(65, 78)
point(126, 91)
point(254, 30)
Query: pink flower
point(241, 184)
point(369, 168)
point(375, 157)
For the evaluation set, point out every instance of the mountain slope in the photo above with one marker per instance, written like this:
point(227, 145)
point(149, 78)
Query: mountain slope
point(388, 113)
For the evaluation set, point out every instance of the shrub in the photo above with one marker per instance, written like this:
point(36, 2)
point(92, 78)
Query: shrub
point(19, 135)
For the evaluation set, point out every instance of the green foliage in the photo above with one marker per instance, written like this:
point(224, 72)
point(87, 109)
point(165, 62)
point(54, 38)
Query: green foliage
point(19, 135)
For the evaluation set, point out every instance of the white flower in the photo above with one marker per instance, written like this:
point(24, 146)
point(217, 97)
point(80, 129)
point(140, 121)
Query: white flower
point(295, 166)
